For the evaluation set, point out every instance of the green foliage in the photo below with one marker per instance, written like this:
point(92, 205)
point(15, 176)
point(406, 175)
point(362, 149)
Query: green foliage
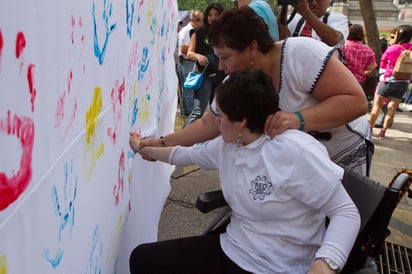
point(202, 4)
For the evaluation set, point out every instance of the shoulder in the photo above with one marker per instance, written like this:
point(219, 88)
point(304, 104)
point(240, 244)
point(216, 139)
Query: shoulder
point(337, 17)
point(260, 4)
point(292, 25)
point(294, 143)
point(296, 44)
point(295, 139)
point(394, 49)
point(407, 46)
point(185, 30)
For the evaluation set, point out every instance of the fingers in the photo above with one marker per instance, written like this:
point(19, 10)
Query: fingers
point(138, 144)
point(134, 142)
point(202, 60)
point(279, 122)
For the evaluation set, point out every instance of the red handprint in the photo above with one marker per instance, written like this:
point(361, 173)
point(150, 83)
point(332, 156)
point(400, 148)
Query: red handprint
point(12, 187)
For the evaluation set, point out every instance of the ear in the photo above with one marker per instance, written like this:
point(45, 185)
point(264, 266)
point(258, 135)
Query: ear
point(253, 46)
point(242, 124)
point(253, 49)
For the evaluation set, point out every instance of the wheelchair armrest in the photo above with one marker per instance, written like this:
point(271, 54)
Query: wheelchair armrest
point(210, 200)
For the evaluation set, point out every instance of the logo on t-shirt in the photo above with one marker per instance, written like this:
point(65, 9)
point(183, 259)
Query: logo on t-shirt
point(260, 188)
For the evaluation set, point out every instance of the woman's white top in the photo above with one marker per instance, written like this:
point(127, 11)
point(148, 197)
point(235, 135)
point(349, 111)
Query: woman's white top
point(280, 191)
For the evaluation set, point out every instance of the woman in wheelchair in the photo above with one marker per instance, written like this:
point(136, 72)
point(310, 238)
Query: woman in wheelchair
point(280, 191)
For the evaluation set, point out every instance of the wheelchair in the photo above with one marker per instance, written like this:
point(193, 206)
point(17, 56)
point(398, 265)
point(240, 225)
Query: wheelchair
point(376, 204)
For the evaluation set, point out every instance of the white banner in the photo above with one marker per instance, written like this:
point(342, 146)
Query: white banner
point(75, 78)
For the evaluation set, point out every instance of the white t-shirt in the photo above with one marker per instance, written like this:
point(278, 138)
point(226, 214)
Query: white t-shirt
point(280, 191)
point(184, 37)
point(336, 21)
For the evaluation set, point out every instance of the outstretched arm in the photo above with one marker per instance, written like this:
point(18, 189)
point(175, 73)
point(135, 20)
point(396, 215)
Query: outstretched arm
point(199, 131)
point(154, 153)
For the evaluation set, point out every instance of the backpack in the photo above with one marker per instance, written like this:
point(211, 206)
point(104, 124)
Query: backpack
point(403, 65)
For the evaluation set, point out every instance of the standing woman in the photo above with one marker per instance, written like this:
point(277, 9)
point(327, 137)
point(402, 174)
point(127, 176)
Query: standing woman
point(390, 87)
point(359, 57)
point(202, 52)
point(303, 71)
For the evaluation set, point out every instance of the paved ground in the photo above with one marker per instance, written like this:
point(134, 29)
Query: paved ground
point(180, 218)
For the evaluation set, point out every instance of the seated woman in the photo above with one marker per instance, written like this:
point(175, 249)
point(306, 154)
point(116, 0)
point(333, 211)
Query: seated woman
point(280, 190)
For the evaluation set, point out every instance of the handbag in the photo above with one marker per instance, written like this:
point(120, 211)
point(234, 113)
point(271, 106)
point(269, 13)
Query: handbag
point(194, 80)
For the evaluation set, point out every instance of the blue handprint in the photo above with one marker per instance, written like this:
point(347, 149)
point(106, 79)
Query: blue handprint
point(107, 13)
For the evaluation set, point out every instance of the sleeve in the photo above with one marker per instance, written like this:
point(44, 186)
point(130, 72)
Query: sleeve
point(314, 173)
point(339, 22)
point(205, 155)
point(300, 76)
point(292, 25)
point(343, 227)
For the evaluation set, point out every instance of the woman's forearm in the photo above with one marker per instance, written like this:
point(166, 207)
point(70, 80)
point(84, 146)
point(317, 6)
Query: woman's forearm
point(333, 112)
point(201, 130)
point(157, 153)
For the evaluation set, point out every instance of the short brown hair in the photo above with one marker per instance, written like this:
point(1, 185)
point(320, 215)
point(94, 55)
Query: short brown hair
point(356, 33)
point(237, 28)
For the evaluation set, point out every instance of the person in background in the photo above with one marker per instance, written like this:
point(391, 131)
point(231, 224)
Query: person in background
point(359, 58)
point(263, 9)
point(313, 20)
point(271, 185)
point(201, 51)
point(384, 109)
point(384, 42)
point(185, 65)
point(303, 71)
point(408, 101)
point(391, 87)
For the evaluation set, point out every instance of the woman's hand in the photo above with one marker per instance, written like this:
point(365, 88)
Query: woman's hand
point(137, 144)
point(281, 121)
point(154, 142)
point(202, 59)
point(134, 142)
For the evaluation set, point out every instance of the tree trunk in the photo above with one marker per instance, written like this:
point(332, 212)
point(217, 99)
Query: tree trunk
point(371, 28)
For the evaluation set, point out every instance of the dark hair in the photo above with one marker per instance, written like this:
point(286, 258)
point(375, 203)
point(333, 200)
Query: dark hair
point(248, 94)
point(237, 28)
point(403, 34)
point(216, 6)
point(356, 33)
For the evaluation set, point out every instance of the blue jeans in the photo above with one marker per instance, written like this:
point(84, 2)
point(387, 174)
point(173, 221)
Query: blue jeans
point(183, 68)
point(408, 100)
point(201, 100)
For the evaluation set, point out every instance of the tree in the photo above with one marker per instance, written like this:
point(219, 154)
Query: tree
point(371, 27)
point(202, 4)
